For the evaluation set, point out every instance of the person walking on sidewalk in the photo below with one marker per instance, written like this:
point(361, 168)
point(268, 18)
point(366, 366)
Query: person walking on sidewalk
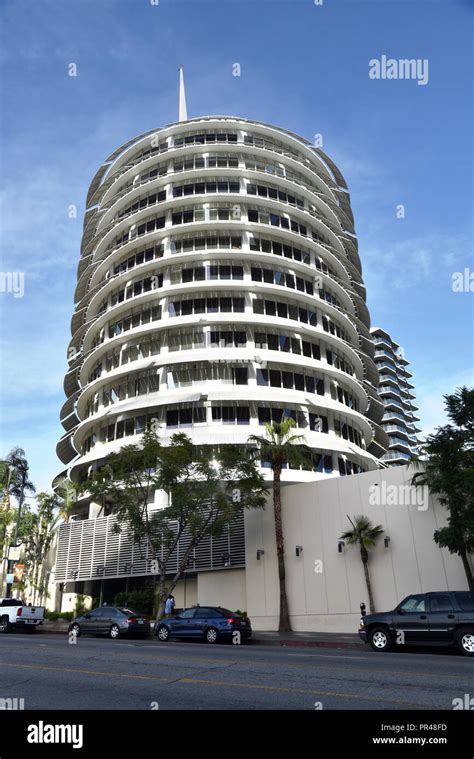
point(169, 606)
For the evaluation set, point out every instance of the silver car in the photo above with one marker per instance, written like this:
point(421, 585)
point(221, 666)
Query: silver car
point(113, 621)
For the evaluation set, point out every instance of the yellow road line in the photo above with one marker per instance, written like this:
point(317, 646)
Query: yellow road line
point(225, 662)
point(196, 681)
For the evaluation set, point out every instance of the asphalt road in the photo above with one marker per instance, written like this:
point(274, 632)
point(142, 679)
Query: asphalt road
point(49, 673)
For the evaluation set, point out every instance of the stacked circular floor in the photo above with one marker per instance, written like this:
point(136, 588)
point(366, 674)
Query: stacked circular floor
point(219, 288)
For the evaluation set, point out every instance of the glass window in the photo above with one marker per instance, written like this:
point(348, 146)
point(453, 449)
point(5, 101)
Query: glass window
point(228, 414)
point(465, 601)
point(328, 464)
point(264, 415)
point(282, 310)
point(240, 376)
point(275, 378)
point(243, 414)
point(440, 602)
point(204, 613)
point(414, 604)
point(270, 308)
point(262, 376)
point(187, 614)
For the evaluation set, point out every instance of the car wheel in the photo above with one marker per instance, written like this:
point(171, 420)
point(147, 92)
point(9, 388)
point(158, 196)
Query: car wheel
point(4, 624)
point(114, 631)
point(211, 635)
point(75, 629)
point(380, 639)
point(465, 641)
point(163, 633)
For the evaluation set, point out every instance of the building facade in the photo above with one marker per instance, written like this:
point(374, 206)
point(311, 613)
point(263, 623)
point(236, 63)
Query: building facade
point(324, 577)
point(396, 390)
point(219, 287)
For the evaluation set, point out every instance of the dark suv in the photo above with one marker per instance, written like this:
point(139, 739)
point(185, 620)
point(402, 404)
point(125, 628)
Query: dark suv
point(444, 619)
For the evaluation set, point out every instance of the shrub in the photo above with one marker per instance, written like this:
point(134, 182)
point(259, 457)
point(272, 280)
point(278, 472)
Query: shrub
point(53, 615)
point(137, 600)
point(80, 607)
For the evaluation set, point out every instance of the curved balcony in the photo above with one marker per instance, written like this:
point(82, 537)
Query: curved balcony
point(126, 333)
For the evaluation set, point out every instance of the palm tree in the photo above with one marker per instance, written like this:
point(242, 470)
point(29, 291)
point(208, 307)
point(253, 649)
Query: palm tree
point(67, 492)
point(278, 447)
point(13, 482)
point(364, 534)
point(17, 459)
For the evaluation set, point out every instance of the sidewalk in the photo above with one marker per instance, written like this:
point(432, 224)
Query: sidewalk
point(308, 639)
point(266, 638)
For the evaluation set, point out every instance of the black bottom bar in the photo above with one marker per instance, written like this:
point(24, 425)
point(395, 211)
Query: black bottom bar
point(133, 733)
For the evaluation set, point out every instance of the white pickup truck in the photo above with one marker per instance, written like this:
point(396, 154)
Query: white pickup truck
point(16, 614)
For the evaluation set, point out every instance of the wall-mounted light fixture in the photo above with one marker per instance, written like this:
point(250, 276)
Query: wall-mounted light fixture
point(100, 569)
point(299, 550)
point(386, 541)
point(226, 559)
point(260, 553)
point(127, 567)
point(340, 545)
point(362, 609)
point(74, 573)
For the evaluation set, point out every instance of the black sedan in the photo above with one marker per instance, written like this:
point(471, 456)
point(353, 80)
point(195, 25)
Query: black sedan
point(209, 623)
point(113, 621)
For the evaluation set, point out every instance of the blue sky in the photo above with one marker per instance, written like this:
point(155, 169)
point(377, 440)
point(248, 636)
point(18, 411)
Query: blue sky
point(304, 67)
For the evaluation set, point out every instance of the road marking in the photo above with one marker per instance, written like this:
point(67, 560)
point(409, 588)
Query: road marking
point(218, 683)
point(82, 671)
point(322, 656)
point(162, 656)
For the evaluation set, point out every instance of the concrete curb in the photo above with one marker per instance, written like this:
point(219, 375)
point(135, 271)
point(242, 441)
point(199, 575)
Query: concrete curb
point(261, 641)
point(256, 640)
point(288, 643)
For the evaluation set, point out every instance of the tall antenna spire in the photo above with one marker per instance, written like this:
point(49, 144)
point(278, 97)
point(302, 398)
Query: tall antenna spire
point(183, 111)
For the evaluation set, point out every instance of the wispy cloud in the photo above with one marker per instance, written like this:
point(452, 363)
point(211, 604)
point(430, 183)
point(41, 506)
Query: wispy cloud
point(404, 265)
point(430, 399)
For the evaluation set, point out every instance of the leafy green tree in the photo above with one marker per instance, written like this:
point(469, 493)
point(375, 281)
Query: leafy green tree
point(365, 535)
point(447, 468)
point(207, 488)
point(281, 446)
point(37, 532)
point(11, 485)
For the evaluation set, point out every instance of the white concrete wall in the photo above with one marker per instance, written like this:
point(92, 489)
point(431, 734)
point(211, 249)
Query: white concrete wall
point(314, 516)
point(222, 588)
point(185, 593)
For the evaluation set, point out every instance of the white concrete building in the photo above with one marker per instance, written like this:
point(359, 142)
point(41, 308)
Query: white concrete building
point(219, 287)
point(325, 580)
point(396, 390)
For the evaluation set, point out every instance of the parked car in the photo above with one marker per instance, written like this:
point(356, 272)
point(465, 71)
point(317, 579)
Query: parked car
point(444, 619)
point(113, 621)
point(15, 614)
point(209, 623)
